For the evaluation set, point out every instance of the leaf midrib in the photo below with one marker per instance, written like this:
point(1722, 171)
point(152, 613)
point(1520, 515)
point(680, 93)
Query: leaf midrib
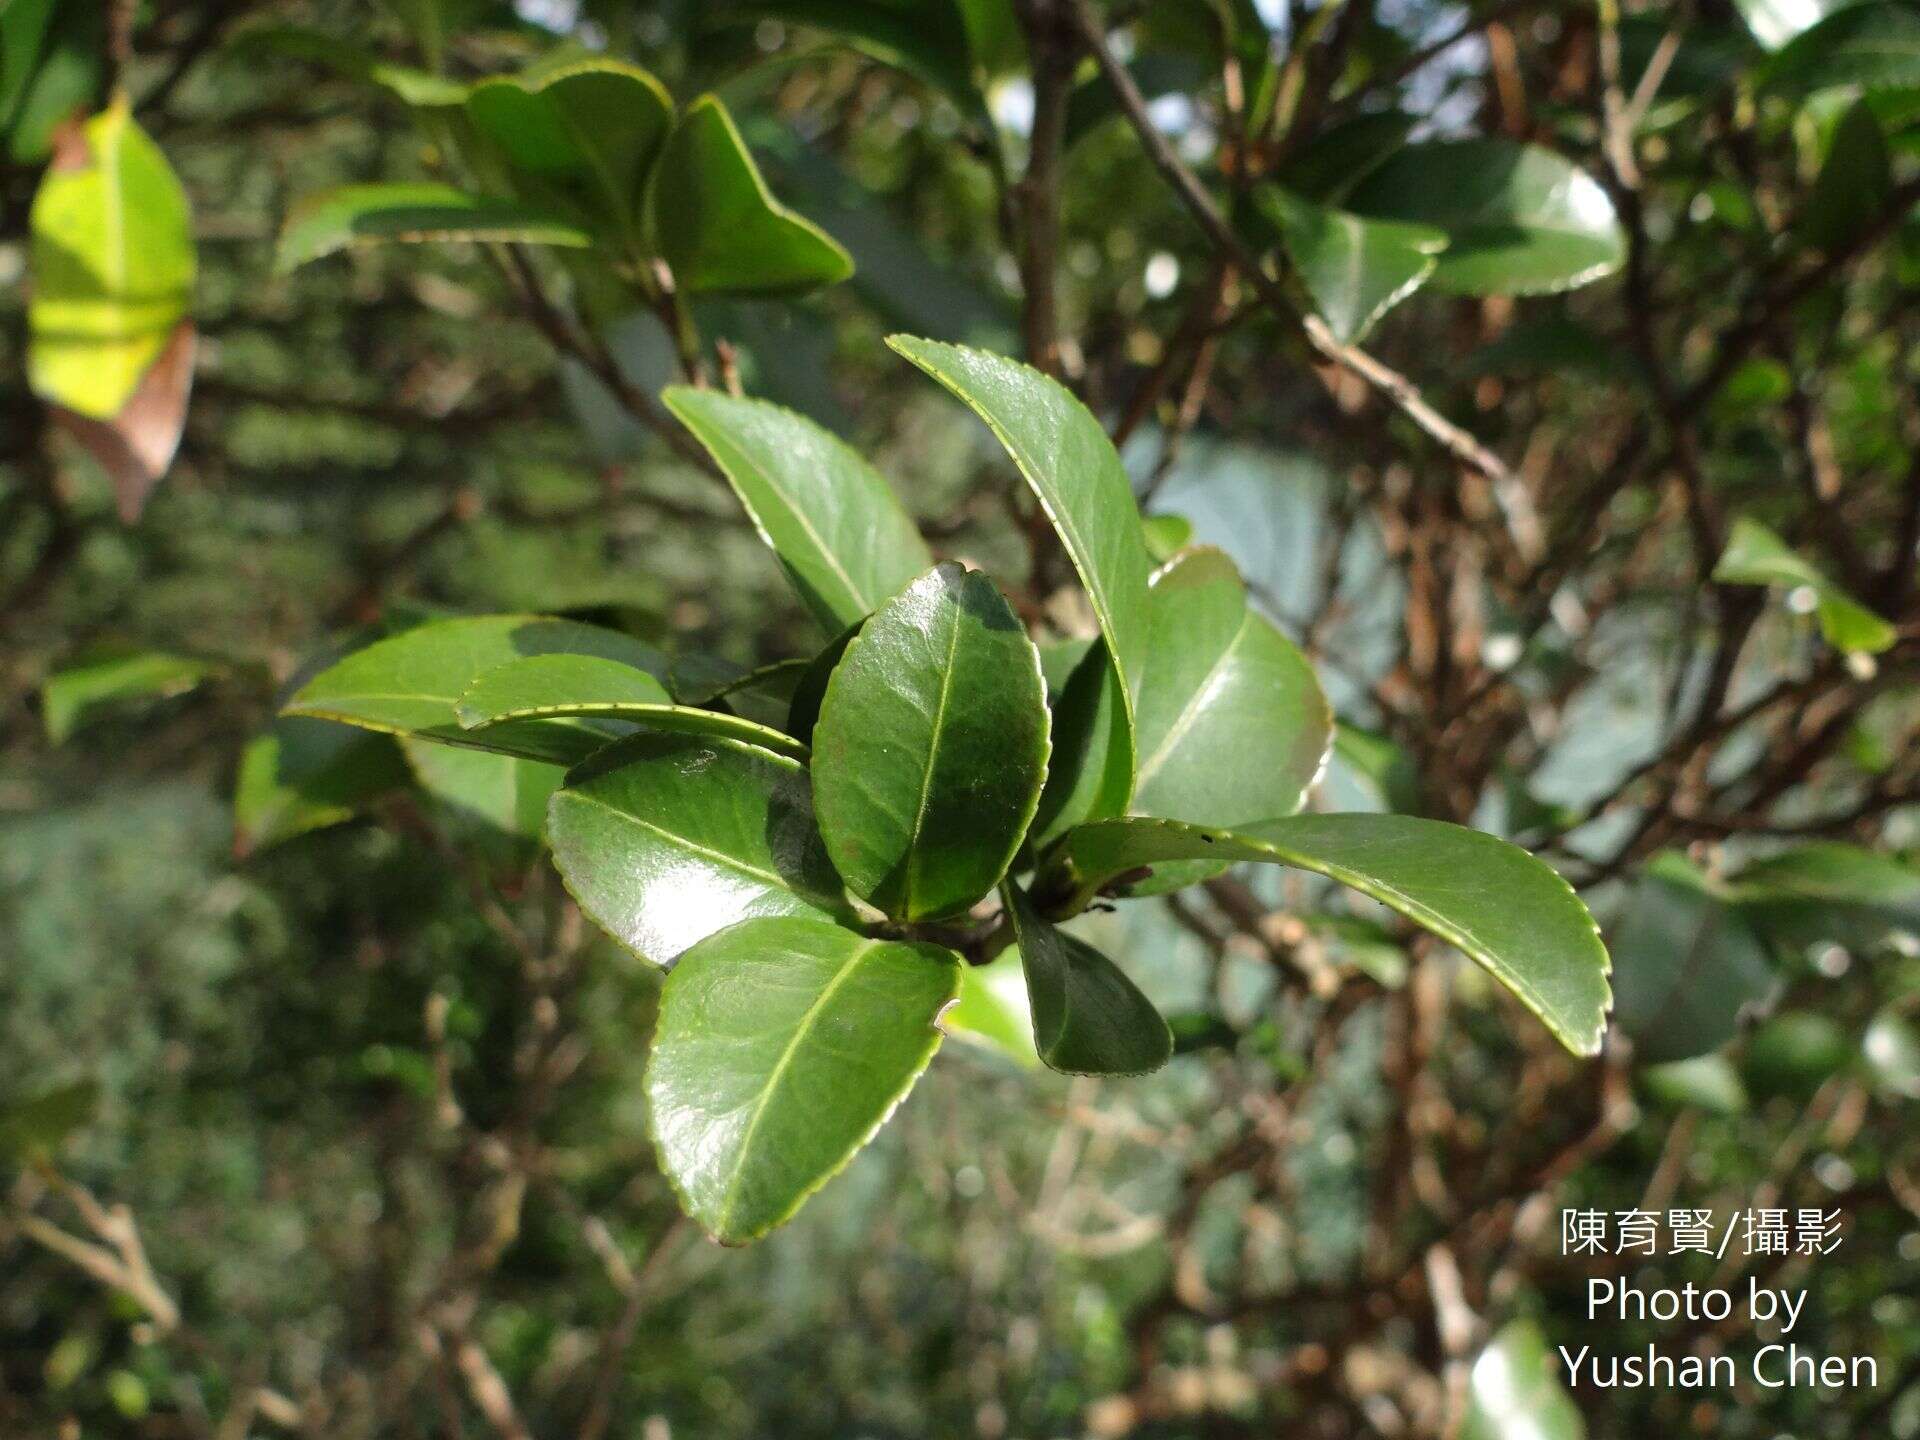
point(717, 856)
point(774, 1077)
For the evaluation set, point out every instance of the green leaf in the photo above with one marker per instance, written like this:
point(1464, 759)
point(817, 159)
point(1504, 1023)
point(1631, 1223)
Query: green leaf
point(37, 1125)
point(1756, 556)
point(840, 534)
point(931, 747)
point(1490, 900)
point(411, 86)
point(112, 673)
point(1166, 536)
point(304, 775)
point(1355, 269)
point(782, 1045)
point(803, 713)
point(1795, 1054)
point(1340, 157)
point(927, 39)
point(594, 126)
point(1775, 22)
point(993, 1011)
point(1380, 765)
point(664, 839)
point(712, 218)
point(504, 791)
point(112, 259)
point(1090, 772)
point(1865, 46)
point(1854, 183)
point(411, 684)
point(1519, 220)
point(1687, 964)
point(1706, 1082)
point(413, 212)
point(1828, 892)
point(65, 78)
point(23, 33)
point(1088, 1017)
point(1514, 1391)
point(1065, 455)
point(587, 687)
point(763, 695)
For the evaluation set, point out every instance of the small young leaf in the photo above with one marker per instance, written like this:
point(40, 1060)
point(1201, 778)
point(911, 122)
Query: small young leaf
point(1519, 220)
point(597, 691)
point(413, 212)
point(1355, 269)
point(113, 673)
point(664, 839)
point(783, 1044)
point(1756, 556)
point(1490, 900)
point(1088, 1017)
point(1065, 455)
point(931, 747)
point(842, 537)
point(712, 218)
point(304, 775)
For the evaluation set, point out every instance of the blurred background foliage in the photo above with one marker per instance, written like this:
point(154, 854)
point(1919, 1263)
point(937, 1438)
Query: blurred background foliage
point(391, 1174)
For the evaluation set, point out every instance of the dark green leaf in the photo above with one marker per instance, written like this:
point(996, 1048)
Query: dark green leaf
point(407, 84)
point(783, 1044)
point(1088, 1017)
point(589, 688)
point(1343, 155)
point(1519, 220)
point(764, 694)
point(1795, 1054)
point(307, 774)
point(1687, 964)
point(931, 747)
point(803, 713)
point(1854, 182)
point(1065, 455)
point(1756, 556)
point(664, 839)
point(927, 39)
point(1355, 269)
point(23, 32)
point(843, 538)
point(413, 212)
point(1089, 773)
point(37, 1125)
point(710, 215)
point(1872, 46)
point(1488, 899)
point(114, 673)
point(1827, 892)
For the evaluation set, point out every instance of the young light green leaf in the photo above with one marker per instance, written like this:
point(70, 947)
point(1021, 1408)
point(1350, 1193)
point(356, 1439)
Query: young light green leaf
point(1355, 269)
point(783, 1044)
point(711, 217)
point(840, 534)
point(1166, 536)
point(23, 33)
point(1514, 1391)
point(592, 125)
point(587, 688)
point(664, 839)
point(112, 673)
point(1687, 963)
point(1519, 220)
point(411, 683)
point(993, 1010)
point(1088, 1017)
point(931, 747)
point(1756, 556)
point(64, 79)
point(1066, 458)
point(1490, 900)
point(112, 259)
point(304, 775)
point(413, 212)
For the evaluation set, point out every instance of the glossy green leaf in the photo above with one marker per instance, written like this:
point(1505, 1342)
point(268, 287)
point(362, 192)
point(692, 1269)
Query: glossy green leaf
point(1088, 1017)
point(803, 713)
point(1519, 220)
point(591, 125)
point(712, 218)
point(783, 1044)
point(304, 775)
point(1514, 1391)
point(993, 1011)
point(1687, 964)
point(36, 1125)
point(595, 690)
point(931, 747)
point(507, 792)
point(1490, 900)
point(664, 839)
point(1775, 22)
point(1706, 1082)
point(112, 673)
point(1873, 46)
point(1756, 556)
point(1066, 458)
point(834, 523)
point(763, 695)
point(1853, 184)
point(1090, 772)
point(112, 260)
point(413, 212)
point(1355, 269)
point(411, 683)
point(1343, 155)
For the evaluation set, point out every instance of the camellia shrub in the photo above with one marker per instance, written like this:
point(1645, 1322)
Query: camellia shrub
point(819, 851)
